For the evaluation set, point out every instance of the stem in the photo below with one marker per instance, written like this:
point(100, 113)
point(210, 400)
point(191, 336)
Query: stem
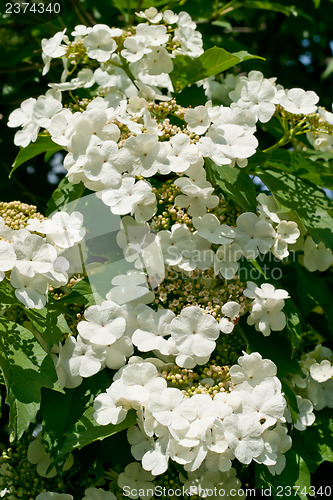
point(286, 138)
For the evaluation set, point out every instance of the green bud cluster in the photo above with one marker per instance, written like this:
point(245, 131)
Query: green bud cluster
point(15, 313)
point(167, 214)
point(211, 379)
point(17, 214)
point(200, 289)
point(21, 478)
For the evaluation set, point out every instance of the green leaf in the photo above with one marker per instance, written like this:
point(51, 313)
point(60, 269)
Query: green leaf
point(316, 3)
point(293, 326)
point(26, 368)
point(274, 6)
point(277, 347)
point(294, 481)
point(86, 430)
point(233, 182)
point(48, 325)
point(42, 145)
point(7, 294)
point(299, 165)
point(81, 294)
point(68, 421)
point(213, 61)
point(315, 444)
point(65, 193)
point(60, 412)
point(313, 291)
point(310, 204)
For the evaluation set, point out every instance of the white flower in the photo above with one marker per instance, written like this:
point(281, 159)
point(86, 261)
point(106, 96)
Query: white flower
point(197, 119)
point(170, 17)
point(227, 144)
point(321, 371)
point(37, 455)
point(153, 327)
point(194, 334)
point(135, 48)
point(299, 101)
point(286, 232)
point(117, 352)
point(130, 288)
point(60, 127)
point(103, 324)
point(62, 229)
point(129, 196)
point(144, 155)
point(98, 494)
point(209, 227)
point(225, 260)
point(80, 358)
point(109, 408)
point(46, 107)
point(99, 42)
point(316, 257)
point(164, 408)
point(7, 256)
point(266, 313)
point(265, 404)
point(254, 235)
point(151, 14)
point(306, 416)
point(32, 253)
point(23, 116)
point(158, 61)
point(32, 292)
point(243, 435)
point(190, 41)
point(177, 246)
point(195, 198)
point(258, 94)
point(182, 153)
point(153, 35)
point(99, 167)
point(252, 369)
point(230, 309)
point(137, 480)
point(52, 48)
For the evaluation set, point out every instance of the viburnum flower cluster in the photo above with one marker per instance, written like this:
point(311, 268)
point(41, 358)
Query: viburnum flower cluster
point(148, 160)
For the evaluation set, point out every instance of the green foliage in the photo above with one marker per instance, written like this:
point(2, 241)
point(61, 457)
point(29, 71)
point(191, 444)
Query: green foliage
point(315, 445)
point(294, 480)
point(48, 325)
point(215, 60)
point(26, 368)
point(80, 294)
point(313, 291)
point(65, 193)
point(41, 145)
point(68, 421)
point(310, 203)
point(310, 449)
point(297, 164)
point(233, 182)
point(7, 294)
point(287, 10)
point(277, 347)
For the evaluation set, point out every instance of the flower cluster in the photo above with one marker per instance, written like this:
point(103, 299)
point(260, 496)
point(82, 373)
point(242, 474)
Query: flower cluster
point(35, 263)
point(165, 328)
point(200, 432)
